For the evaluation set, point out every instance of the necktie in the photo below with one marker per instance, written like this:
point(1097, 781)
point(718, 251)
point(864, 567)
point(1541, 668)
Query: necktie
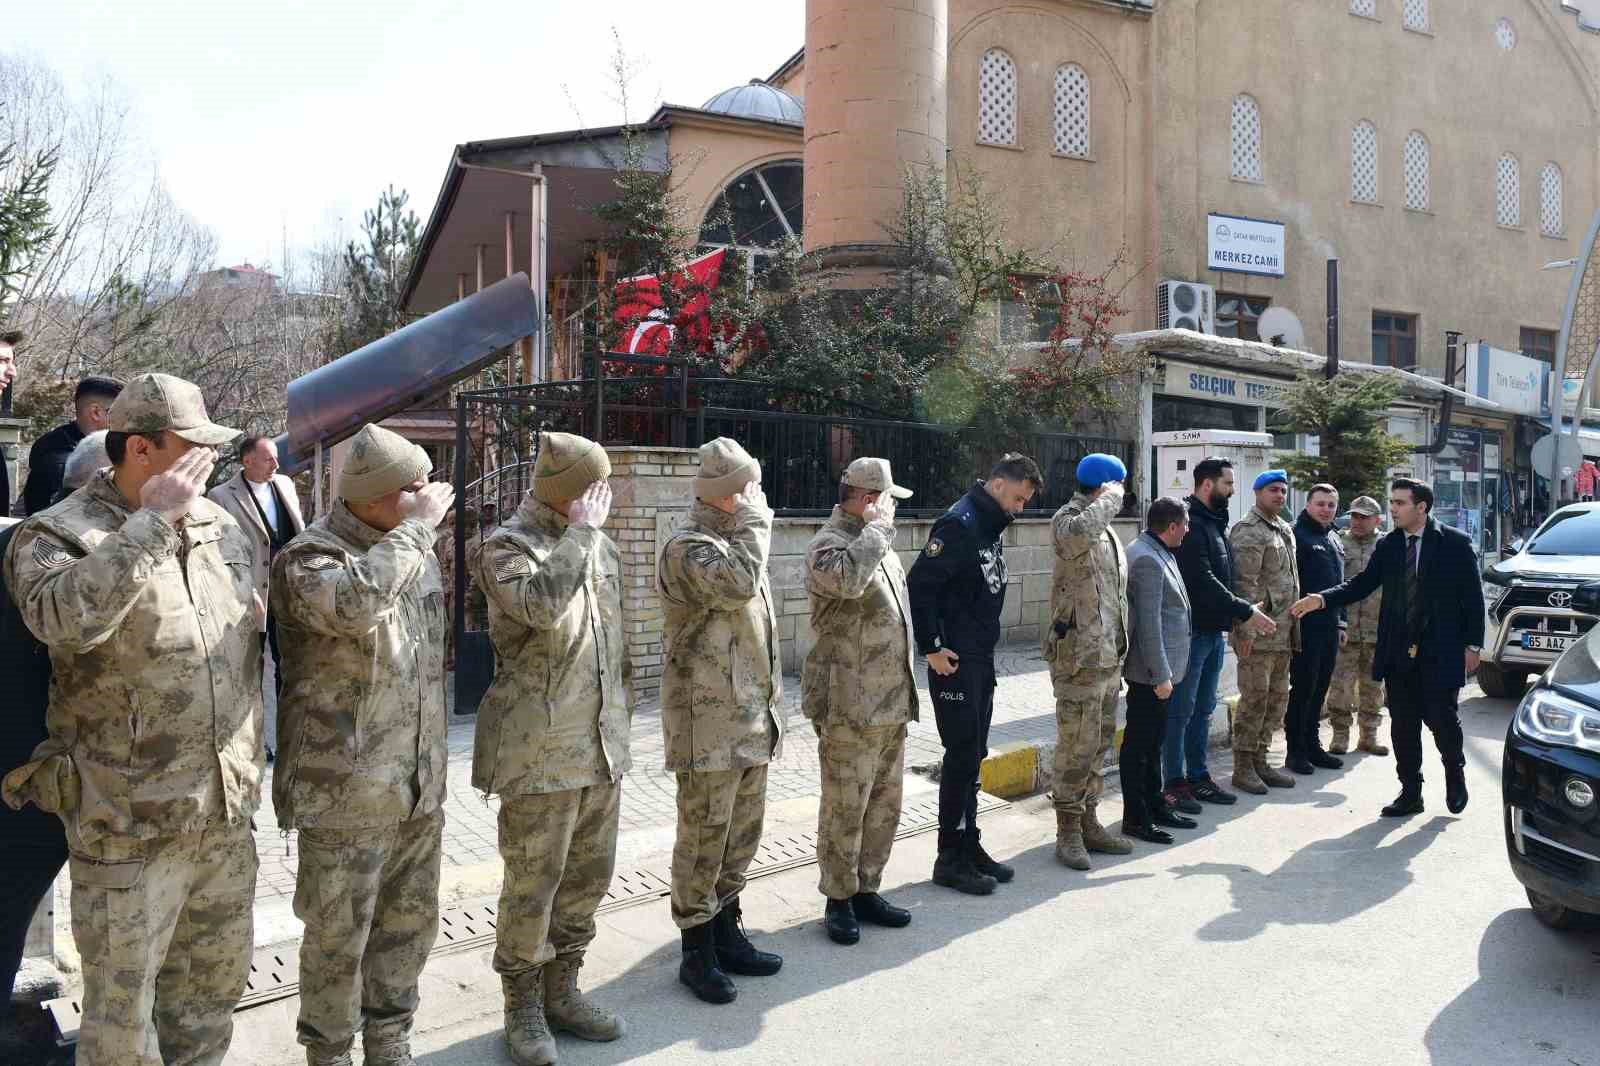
point(1413, 592)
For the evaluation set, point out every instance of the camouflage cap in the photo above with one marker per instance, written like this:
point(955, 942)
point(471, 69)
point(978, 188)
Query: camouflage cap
point(873, 475)
point(1365, 505)
point(154, 402)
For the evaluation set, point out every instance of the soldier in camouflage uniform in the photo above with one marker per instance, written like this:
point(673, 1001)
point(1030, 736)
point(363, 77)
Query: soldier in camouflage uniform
point(719, 711)
point(361, 757)
point(1353, 688)
point(552, 739)
point(1085, 645)
point(141, 588)
point(859, 690)
point(1265, 573)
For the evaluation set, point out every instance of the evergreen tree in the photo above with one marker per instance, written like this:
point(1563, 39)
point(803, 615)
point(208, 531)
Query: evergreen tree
point(25, 228)
point(1348, 414)
point(375, 271)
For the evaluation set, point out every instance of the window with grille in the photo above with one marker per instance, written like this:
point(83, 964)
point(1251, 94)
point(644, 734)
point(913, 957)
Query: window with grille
point(1072, 111)
point(1394, 339)
point(1416, 171)
point(1508, 191)
point(1414, 14)
point(997, 98)
point(1539, 344)
point(1246, 138)
point(1550, 223)
point(1364, 162)
point(1239, 315)
point(1505, 35)
point(1364, 8)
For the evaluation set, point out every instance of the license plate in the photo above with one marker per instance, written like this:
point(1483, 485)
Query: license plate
point(1546, 642)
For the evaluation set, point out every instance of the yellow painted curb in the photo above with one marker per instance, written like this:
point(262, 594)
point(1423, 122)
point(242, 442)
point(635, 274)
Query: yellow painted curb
point(1010, 771)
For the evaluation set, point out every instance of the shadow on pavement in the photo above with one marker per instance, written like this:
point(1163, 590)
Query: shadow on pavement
point(1535, 999)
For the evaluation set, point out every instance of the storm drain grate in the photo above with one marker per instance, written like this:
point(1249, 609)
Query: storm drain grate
point(275, 971)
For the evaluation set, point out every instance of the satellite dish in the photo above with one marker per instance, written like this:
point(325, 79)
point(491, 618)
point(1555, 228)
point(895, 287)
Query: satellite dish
point(1562, 445)
point(1279, 326)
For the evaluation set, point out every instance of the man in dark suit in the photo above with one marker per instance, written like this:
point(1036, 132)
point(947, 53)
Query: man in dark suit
point(47, 459)
point(1430, 631)
point(9, 339)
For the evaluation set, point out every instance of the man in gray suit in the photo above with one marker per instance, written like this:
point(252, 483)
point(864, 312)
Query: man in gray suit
point(1158, 655)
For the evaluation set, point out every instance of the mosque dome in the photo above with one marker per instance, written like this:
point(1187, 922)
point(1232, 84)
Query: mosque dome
point(758, 100)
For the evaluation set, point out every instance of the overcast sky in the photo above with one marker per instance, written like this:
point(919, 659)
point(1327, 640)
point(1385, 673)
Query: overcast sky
point(292, 115)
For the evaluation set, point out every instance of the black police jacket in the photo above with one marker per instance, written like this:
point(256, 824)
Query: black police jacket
point(957, 586)
point(47, 465)
point(1320, 558)
point(1206, 562)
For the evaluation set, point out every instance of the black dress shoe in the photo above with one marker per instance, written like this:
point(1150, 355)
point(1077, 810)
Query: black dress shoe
point(1172, 819)
point(1299, 764)
point(1455, 789)
point(1318, 757)
point(873, 908)
point(1146, 832)
point(840, 921)
point(1408, 802)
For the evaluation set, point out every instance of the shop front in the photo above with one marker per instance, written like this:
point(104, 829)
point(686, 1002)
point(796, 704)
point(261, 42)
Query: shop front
point(1467, 486)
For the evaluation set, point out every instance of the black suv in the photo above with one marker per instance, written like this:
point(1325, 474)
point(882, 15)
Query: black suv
point(1550, 778)
point(1542, 599)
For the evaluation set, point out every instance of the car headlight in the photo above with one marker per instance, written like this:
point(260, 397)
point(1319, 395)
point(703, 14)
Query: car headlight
point(1548, 717)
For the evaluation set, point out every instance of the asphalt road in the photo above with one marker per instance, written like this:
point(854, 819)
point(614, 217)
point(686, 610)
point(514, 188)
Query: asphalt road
point(1299, 927)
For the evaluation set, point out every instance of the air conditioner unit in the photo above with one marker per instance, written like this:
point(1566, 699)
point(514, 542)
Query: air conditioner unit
point(1186, 305)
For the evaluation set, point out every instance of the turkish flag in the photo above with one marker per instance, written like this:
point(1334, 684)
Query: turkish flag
point(648, 327)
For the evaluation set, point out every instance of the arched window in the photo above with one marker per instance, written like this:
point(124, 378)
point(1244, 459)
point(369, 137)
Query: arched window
point(1364, 162)
point(1364, 8)
point(1416, 171)
point(1072, 111)
point(1246, 138)
point(1414, 14)
point(1550, 193)
point(1507, 191)
point(997, 98)
point(757, 210)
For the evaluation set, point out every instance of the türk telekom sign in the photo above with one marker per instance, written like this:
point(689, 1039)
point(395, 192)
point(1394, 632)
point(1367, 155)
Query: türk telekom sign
point(1245, 245)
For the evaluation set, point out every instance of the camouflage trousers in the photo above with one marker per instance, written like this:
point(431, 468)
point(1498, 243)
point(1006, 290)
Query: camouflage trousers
point(1263, 699)
point(165, 928)
point(559, 849)
point(863, 782)
point(719, 828)
point(1353, 689)
point(369, 899)
point(1086, 727)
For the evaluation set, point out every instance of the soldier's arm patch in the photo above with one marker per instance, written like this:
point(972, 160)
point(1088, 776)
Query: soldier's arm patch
point(320, 562)
point(512, 567)
point(935, 546)
point(50, 556)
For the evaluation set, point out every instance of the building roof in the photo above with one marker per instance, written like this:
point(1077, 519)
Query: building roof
point(757, 100)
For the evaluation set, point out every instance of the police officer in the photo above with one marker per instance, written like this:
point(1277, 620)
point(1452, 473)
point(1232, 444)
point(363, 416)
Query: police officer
point(1085, 645)
point(361, 766)
point(552, 739)
point(957, 588)
point(140, 587)
point(719, 712)
point(859, 689)
point(1354, 693)
point(1265, 573)
point(1319, 560)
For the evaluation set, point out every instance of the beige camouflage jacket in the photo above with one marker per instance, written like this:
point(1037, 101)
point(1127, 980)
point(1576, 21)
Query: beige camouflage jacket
point(155, 709)
point(558, 712)
point(859, 671)
point(1361, 616)
point(1089, 591)
point(1265, 572)
point(722, 681)
point(361, 723)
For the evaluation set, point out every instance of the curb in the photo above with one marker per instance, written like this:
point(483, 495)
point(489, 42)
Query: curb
point(1023, 767)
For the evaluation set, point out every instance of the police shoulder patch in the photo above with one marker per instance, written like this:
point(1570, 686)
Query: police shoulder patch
point(935, 546)
point(50, 556)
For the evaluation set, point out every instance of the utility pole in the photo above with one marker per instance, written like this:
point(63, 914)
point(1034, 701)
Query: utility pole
point(1332, 367)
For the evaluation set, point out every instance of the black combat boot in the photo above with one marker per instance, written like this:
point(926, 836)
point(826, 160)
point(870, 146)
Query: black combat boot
point(953, 868)
point(734, 951)
point(839, 919)
point(1408, 802)
point(699, 969)
point(871, 907)
point(1455, 789)
point(983, 863)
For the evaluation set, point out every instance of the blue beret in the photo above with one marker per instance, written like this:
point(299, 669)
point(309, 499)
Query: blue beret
point(1267, 477)
point(1097, 469)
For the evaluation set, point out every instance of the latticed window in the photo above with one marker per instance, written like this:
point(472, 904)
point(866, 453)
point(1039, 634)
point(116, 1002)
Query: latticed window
point(1550, 222)
point(1246, 138)
point(1368, 8)
point(1508, 191)
point(1414, 14)
point(997, 98)
point(1416, 171)
point(1364, 162)
point(1505, 35)
point(1072, 111)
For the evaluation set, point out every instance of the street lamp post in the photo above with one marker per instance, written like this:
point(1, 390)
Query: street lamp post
point(1588, 338)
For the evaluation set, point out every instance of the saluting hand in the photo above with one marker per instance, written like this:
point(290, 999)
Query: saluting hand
point(591, 510)
point(170, 492)
point(752, 496)
point(879, 510)
point(428, 504)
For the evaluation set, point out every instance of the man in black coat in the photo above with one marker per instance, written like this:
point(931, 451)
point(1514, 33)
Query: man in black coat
point(1319, 556)
point(9, 339)
point(91, 403)
point(1430, 631)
